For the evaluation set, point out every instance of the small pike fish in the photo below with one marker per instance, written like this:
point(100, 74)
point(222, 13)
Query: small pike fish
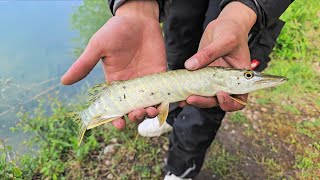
point(113, 100)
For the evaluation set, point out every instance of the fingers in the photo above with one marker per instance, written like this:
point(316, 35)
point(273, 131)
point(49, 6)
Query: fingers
point(228, 104)
point(222, 99)
point(152, 112)
point(120, 123)
point(216, 49)
point(183, 103)
point(139, 114)
point(83, 65)
point(202, 102)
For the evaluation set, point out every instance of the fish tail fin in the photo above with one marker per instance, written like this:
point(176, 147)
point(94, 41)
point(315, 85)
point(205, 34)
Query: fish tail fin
point(76, 117)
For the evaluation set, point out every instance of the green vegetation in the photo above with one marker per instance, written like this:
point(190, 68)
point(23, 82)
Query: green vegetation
point(223, 164)
point(282, 141)
point(57, 155)
point(238, 117)
point(301, 18)
point(87, 19)
point(9, 168)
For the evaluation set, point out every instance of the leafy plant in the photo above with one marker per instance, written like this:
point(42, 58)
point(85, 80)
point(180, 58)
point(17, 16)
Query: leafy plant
point(55, 139)
point(8, 167)
point(293, 42)
point(87, 19)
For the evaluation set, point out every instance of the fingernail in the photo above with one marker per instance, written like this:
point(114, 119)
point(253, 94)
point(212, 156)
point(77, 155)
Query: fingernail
point(224, 101)
point(141, 117)
point(192, 63)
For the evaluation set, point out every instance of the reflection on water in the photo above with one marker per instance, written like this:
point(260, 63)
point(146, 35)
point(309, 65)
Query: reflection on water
point(37, 47)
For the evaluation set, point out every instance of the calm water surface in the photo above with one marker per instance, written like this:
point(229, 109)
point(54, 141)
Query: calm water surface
point(36, 49)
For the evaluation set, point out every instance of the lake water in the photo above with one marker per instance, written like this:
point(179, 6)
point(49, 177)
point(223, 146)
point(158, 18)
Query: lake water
point(37, 47)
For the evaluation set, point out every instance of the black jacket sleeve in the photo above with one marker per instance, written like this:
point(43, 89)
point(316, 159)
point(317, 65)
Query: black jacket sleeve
point(268, 11)
point(272, 10)
point(114, 4)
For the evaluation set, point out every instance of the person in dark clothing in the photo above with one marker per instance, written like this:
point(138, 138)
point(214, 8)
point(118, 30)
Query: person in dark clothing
point(197, 34)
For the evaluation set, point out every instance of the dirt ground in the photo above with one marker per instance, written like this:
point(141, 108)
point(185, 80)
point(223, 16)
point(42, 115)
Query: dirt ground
point(263, 141)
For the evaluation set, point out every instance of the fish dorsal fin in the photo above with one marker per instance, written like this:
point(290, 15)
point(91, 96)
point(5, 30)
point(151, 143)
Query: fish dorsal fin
point(96, 91)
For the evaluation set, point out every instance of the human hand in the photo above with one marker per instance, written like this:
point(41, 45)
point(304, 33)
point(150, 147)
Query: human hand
point(131, 45)
point(224, 43)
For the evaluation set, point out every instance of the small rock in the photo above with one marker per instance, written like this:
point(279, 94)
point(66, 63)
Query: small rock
point(255, 127)
point(131, 157)
point(165, 147)
point(255, 117)
point(246, 125)
point(165, 160)
point(107, 162)
point(110, 176)
point(313, 119)
point(114, 140)
point(233, 132)
point(226, 127)
point(109, 149)
point(264, 109)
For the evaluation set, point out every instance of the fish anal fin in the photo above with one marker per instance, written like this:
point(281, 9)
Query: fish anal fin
point(82, 131)
point(76, 117)
point(163, 112)
point(99, 120)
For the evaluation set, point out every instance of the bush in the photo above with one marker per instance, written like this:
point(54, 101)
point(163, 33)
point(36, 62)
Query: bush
point(8, 167)
point(55, 141)
point(293, 42)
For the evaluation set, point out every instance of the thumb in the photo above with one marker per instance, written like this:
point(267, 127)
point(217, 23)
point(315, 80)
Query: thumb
point(83, 65)
point(216, 49)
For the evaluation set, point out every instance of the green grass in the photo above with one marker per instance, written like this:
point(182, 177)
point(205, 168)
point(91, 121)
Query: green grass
point(310, 129)
point(308, 163)
point(238, 117)
point(303, 79)
point(300, 18)
point(292, 109)
point(223, 164)
point(273, 169)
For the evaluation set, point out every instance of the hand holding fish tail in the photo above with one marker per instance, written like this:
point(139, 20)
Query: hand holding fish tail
point(130, 44)
point(224, 43)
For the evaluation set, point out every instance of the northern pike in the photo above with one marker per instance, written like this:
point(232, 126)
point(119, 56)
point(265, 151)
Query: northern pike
point(114, 100)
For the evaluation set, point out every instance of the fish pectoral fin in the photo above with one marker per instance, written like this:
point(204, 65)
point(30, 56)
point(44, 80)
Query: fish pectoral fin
point(163, 113)
point(239, 101)
point(99, 120)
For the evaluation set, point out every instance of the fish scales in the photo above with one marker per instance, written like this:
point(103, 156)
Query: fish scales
point(121, 97)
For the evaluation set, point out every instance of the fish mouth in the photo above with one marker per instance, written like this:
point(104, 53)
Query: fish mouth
point(266, 81)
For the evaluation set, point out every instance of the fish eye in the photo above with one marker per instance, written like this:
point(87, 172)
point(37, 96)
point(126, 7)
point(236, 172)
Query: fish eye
point(248, 74)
